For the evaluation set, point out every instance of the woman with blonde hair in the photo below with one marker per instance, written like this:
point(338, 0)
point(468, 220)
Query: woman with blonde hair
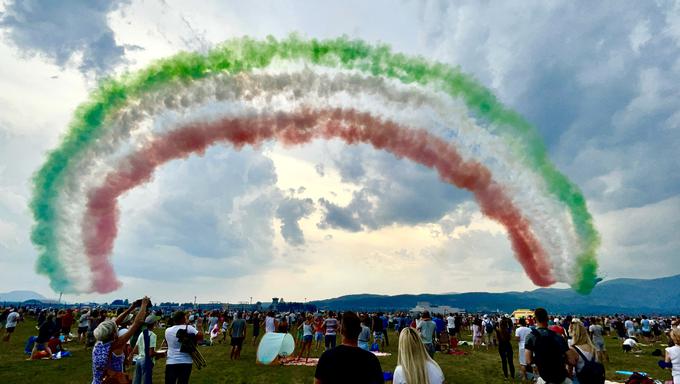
point(415, 366)
point(673, 355)
point(583, 346)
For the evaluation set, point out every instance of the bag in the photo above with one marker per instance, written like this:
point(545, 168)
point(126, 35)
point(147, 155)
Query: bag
point(549, 355)
point(488, 326)
point(114, 377)
point(592, 371)
point(186, 340)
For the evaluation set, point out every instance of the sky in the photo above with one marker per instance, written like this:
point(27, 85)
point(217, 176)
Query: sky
point(597, 79)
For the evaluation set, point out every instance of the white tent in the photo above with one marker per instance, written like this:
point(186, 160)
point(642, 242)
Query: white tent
point(274, 345)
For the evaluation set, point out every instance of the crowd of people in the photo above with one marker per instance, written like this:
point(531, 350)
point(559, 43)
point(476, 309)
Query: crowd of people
point(557, 349)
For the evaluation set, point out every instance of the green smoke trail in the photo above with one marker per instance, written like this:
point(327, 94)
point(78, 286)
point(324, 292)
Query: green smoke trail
point(243, 55)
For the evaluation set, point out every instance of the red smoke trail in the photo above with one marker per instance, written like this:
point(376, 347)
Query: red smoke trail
point(99, 226)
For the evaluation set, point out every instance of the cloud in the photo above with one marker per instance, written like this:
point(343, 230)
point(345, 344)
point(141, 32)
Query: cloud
point(213, 210)
point(599, 89)
point(65, 32)
point(290, 211)
point(392, 191)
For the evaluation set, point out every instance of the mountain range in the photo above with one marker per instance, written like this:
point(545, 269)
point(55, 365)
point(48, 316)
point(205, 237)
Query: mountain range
point(20, 296)
point(630, 296)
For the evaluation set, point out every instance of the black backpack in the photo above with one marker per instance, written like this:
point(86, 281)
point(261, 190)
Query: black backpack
point(592, 371)
point(549, 355)
point(488, 326)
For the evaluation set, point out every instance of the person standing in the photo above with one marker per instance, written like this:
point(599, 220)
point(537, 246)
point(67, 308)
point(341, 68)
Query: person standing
point(427, 329)
point(331, 326)
point(549, 351)
point(238, 334)
point(83, 324)
point(347, 363)
point(673, 355)
point(596, 333)
point(477, 332)
point(365, 334)
point(451, 325)
point(257, 323)
point(270, 323)
point(145, 348)
point(377, 328)
point(11, 323)
point(318, 332)
point(109, 350)
point(307, 335)
point(503, 334)
point(414, 364)
point(521, 333)
point(488, 327)
point(178, 364)
point(586, 351)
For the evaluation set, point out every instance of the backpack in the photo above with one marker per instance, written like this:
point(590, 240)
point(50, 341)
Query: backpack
point(549, 355)
point(592, 371)
point(488, 326)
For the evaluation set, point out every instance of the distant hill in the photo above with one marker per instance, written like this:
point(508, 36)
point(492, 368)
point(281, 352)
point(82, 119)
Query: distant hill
point(632, 296)
point(20, 296)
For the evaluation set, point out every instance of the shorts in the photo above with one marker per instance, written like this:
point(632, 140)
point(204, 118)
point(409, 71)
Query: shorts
point(318, 336)
point(647, 333)
point(82, 330)
point(429, 347)
point(10, 329)
point(599, 345)
point(451, 331)
point(363, 345)
point(627, 348)
point(237, 341)
point(522, 357)
point(307, 338)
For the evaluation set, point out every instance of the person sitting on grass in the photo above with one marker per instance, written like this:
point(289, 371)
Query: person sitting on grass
point(414, 363)
point(347, 363)
point(109, 350)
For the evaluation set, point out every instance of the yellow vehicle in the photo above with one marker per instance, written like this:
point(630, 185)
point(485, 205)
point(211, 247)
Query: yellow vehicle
point(525, 313)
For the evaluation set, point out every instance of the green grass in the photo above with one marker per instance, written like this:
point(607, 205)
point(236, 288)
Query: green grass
point(475, 367)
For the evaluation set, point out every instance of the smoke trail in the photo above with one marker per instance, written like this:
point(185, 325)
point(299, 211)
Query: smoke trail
point(410, 106)
point(245, 55)
point(99, 227)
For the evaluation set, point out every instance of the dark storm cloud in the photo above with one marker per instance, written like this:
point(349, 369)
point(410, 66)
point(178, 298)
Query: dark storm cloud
point(65, 32)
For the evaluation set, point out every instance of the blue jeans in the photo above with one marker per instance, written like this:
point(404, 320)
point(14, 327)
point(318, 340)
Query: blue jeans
point(142, 374)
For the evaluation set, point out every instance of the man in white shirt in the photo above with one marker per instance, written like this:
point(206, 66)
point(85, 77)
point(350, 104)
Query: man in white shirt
point(451, 324)
point(178, 364)
point(521, 333)
point(11, 323)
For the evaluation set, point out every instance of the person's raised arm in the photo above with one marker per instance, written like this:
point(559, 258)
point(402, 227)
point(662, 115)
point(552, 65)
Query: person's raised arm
point(119, 320)
point(139, 319)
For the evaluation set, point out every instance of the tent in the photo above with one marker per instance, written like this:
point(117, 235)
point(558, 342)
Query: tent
point(274, 345)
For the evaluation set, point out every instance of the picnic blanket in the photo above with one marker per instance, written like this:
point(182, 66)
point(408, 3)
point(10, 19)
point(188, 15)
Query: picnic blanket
point(311, 362)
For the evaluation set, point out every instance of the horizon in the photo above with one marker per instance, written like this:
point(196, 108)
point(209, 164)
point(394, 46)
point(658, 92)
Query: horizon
point(311, 300)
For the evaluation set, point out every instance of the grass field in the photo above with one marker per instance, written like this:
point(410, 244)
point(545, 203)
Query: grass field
point(475, 367)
